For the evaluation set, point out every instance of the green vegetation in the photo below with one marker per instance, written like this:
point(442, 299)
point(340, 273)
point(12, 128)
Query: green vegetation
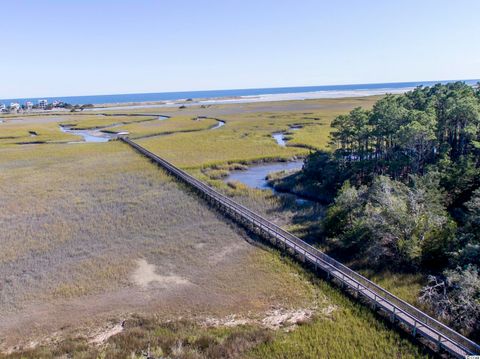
point(33, 129)
point(403, 186)
point(351, 331)
point(204, 149)
point(247, 135)
point(82, 122)
point(164, 127)
point(18, 132)
point(244, 138)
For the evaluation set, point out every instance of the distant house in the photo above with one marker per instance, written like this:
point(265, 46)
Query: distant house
point(3, 108)
point(28, 105)
point(42, 103)
point(14, 107)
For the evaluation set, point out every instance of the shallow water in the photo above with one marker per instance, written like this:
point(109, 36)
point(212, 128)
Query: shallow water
point(89, 135)
point(218, 125)
point(278, 136)
point(255, 175)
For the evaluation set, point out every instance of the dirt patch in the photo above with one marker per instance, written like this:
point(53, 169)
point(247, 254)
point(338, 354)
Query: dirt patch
point(274, 319)
point(102, 336)
point(228, 321)
point(145, 275)
point(280, 318)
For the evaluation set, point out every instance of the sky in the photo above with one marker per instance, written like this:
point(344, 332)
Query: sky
point(88, 47)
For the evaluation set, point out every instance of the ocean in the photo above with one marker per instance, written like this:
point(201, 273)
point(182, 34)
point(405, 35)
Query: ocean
point(244, 95)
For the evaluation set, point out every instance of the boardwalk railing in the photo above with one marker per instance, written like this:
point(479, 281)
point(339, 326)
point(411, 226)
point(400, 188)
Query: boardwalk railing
point(418, 323)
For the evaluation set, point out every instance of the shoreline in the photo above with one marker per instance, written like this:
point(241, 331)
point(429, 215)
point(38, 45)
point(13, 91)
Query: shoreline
point(187, 104)
point(236, 96)
point(294, 96)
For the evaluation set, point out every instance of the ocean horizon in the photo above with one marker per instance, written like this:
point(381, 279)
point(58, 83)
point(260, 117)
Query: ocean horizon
point(320, 91)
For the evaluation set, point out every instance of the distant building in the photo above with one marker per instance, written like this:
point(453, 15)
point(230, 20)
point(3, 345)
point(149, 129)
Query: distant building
point(55, 103)
point(42, 103)
point(14, 107)
point(3, 108)
point(28, 105)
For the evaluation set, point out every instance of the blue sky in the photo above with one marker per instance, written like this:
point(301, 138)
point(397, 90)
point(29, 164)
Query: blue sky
point(82, 47)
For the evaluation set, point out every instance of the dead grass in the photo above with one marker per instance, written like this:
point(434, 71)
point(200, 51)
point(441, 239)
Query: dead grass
point(77, 218)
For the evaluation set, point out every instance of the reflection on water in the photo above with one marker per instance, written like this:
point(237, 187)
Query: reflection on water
point(255, 176)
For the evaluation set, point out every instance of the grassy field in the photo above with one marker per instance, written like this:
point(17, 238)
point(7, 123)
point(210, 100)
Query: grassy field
point(15, 132)
point(247, 134)
point(93, 234)
point(85, 121)
point(337, 328)
point(245, 138)
point(168, 126)
point(27, 129)
point(76, 220)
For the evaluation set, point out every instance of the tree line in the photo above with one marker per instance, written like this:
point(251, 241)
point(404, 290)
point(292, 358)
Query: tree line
point(403, 187)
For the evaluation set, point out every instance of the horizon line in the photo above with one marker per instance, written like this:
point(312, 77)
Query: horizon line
point(243, 88)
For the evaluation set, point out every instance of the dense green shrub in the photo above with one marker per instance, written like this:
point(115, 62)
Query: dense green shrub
point(391, 223)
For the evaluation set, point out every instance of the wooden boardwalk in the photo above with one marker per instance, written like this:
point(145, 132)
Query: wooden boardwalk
point(411, 319)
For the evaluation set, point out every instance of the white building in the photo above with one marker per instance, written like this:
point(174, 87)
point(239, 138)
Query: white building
point(28, 105)
point(42, 103)
point(3, 108)
point(14, 106)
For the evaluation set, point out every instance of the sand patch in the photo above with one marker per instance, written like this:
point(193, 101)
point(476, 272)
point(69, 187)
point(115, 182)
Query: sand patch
point(281, 318)
point(232, 320)
point(145, 275)
point(104, 335)
point(275, 319)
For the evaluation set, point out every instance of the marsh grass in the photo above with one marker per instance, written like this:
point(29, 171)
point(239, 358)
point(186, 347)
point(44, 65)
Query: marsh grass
point(180, 339)
point(18, 129)
point(206, 148)
point(406, 286)
point(14, 132)
point(76, 217)
point(163, 127)
point(75, 220)
point(341, 328)
point(247, 134)
point(84, 121)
